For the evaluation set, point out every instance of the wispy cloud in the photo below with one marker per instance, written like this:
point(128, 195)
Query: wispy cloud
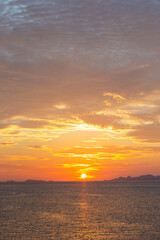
point(79, 74)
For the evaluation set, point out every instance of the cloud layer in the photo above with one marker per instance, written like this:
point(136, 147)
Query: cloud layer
point(78, 71)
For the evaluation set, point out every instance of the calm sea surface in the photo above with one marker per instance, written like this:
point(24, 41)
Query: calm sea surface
point(97, 210)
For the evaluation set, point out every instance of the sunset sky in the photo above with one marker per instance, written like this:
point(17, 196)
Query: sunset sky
point(79, 89)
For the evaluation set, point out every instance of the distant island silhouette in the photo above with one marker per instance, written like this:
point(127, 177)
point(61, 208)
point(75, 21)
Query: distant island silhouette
point(147, 177)
point(29, 181)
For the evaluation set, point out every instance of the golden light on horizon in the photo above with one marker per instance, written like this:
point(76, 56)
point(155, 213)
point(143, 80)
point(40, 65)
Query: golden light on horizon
point(83, 175)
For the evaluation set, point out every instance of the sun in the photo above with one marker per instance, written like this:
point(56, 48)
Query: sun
point(83, 176)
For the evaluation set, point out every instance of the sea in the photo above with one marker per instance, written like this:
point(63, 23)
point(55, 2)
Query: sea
point(80, 210)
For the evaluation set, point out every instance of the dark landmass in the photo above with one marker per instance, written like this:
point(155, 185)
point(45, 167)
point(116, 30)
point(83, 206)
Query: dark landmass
point(29, 181)
point(147, 177)
point(37, 181)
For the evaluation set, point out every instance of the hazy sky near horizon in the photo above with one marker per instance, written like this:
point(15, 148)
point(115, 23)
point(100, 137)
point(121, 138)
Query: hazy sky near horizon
point(79, 89)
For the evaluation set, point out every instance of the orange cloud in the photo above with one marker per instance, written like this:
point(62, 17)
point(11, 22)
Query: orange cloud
point(6, 144)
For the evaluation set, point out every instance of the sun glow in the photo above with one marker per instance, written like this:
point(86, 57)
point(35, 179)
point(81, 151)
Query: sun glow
point(83, 176)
